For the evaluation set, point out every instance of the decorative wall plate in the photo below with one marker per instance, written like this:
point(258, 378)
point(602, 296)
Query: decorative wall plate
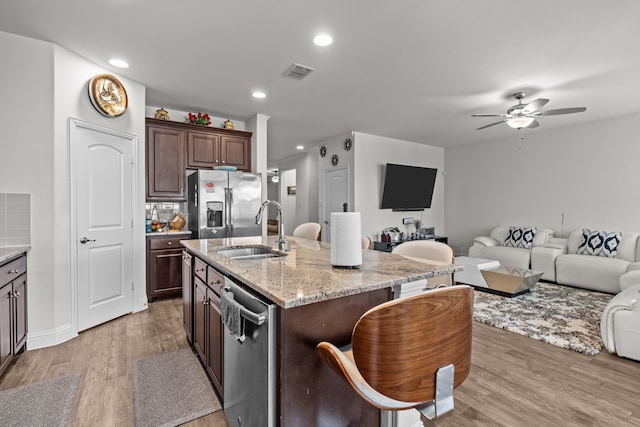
point(108, 95)
point(334, 160)
point(348, 144)
point(323, 151)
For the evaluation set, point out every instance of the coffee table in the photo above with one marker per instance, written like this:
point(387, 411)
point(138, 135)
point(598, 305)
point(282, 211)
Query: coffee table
point(489, 276)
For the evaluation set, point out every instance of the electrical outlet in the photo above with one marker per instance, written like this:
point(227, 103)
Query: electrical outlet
point(407, 220)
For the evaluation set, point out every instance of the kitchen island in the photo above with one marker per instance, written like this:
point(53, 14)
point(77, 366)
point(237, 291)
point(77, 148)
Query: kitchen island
point(314, 302)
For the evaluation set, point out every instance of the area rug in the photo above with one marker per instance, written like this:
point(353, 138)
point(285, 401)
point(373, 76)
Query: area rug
point(171, 389)
point(560, 315)
point(47, 403)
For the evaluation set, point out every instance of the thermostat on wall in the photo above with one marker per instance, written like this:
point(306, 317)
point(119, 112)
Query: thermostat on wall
point(407, 220)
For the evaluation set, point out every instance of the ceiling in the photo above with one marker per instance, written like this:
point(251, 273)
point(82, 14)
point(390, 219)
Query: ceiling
point(414, 70)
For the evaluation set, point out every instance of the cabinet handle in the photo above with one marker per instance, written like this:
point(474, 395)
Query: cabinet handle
point(16, 271)
point(168, 243)
point(224, 161)
point(204, 301)
point(199, 269)
point(16, 294)
point(215, 282)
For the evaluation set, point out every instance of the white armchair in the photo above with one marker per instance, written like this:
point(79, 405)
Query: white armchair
point(620, 323)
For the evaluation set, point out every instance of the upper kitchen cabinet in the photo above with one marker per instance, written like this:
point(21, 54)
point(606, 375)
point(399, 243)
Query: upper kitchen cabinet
point(173, 147)
point(165, 163)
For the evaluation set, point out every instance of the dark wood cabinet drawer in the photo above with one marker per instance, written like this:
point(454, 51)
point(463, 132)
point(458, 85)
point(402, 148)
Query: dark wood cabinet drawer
point(200, 269)
point(165, 243)
point(215, 280)
point(13, 270)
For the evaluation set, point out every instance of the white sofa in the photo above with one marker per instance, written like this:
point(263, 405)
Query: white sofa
point(493, 247)
point(599, 273)
point(620, 322)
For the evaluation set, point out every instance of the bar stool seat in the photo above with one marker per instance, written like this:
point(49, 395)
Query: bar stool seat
point(410, 352)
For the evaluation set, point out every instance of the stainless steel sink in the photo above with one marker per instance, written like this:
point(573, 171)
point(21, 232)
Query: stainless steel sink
point(253, 252)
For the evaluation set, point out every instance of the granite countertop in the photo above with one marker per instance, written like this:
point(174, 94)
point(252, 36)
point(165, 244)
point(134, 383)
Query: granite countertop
point(168, 233)
point(9, 252)
point(305, 275)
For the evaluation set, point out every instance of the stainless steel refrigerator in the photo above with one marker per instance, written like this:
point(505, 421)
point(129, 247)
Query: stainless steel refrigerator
point(223, 204)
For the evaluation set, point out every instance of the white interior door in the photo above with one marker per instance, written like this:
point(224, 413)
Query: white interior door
point(336, 193)
point(103, 234)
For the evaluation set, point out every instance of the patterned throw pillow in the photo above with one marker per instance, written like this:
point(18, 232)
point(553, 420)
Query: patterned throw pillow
point(600, 243)
point(520, 237)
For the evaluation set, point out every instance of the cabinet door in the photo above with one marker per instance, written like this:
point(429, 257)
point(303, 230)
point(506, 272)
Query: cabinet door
point(199, 317)
point(215, 350)
point(6, 338)
point(186, 294)
point(20, 313)
point(165, 164)
point(236, 151)
point(164, 273)
point(203, 150)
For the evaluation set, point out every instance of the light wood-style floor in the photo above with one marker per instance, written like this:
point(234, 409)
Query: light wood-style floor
point(514, 380)
point(104, 355)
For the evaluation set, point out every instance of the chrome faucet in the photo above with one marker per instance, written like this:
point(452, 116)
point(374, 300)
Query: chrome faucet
point(282, 241)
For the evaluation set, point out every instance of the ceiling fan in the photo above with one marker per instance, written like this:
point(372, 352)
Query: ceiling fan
point(522, 115)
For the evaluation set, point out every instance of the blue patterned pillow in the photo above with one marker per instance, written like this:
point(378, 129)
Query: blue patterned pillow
point(600, 243)
point(520, 237)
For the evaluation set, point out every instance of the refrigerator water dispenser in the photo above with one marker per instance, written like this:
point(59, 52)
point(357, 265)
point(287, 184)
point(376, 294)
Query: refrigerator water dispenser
point(214, 214)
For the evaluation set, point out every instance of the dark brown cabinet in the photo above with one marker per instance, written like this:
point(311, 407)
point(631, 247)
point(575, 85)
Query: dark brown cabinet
point(164, 267)
point(208, 329)
point(236, 151)
point(203, 150)
point(172, 147)
point(13, 309)
point(187, 294)
point(165, 163)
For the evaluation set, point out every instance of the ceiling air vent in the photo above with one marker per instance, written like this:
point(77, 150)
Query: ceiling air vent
point(297, 71)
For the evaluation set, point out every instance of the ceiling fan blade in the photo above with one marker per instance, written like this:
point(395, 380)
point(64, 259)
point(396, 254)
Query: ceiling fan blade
point(534, 105)
point(534, 124)
point(491, 124)
point(563, 111)
point(488, 115)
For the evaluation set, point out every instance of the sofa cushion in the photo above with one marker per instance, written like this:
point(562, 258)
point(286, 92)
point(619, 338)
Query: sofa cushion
point(520, 237)
point(626, 248)
point(590, 272)
point(599, 243)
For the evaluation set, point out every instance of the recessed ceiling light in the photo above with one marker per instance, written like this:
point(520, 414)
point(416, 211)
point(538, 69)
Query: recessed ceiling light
point(118, 63)
point(259, 95)
point(322, 40)
point(300, 147)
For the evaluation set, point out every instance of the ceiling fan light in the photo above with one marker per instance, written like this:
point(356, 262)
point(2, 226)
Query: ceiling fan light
point(520, 122)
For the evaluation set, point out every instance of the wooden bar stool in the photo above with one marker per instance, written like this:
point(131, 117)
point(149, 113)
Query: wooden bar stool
point(410, 352)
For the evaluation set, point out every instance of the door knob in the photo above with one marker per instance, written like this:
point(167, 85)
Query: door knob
point(85, 240)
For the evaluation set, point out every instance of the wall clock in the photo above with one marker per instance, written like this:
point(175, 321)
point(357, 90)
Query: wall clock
point(348, 144)
point(334, 160)
point(108, 95)
point(323, 151)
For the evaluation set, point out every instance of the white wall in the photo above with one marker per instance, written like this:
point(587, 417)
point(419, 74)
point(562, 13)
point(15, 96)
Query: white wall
point(371, 154)
point(334, 146)
point(288, 201)
point(306, 199)
point(588, 172)
point(46, 85)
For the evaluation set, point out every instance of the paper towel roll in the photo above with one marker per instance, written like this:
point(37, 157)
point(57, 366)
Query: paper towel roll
point(346, 240)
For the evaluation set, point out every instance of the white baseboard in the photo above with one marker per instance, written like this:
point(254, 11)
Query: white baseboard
point(56, 336)
point(140, 304)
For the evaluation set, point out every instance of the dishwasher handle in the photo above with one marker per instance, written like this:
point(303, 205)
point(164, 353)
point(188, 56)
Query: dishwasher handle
point(255, 318)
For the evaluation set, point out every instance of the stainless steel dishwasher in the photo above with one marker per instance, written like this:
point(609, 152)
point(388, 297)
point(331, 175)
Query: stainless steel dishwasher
point(249, 363)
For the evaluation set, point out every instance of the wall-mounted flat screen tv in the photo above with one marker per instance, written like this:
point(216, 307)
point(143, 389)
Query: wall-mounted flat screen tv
point(407, 188)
